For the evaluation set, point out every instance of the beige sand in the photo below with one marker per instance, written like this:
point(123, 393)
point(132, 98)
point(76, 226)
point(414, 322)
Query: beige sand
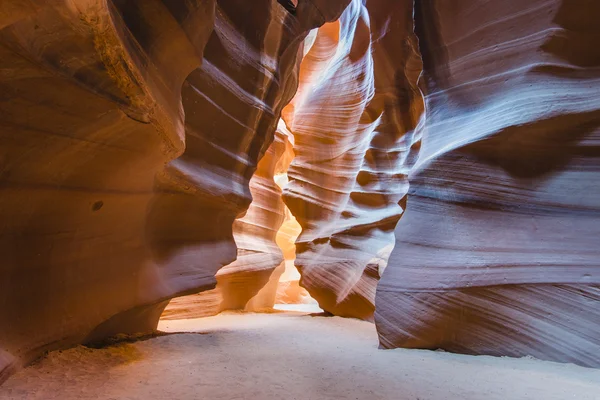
point(287, 356)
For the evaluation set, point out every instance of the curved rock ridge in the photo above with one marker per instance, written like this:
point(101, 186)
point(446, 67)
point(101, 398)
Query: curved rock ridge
point(129, 131)
point(353, 119)
point(258, 254)
point(88, 117)
point(497, 252)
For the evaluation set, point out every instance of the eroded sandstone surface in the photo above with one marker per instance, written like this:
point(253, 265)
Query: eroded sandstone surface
point(252, 276)
point(497, 252)
point(139, 154)
point(130, 130)
point(353, 121)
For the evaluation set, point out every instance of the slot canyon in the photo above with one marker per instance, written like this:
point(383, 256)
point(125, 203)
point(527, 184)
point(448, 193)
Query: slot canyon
point(315, 199)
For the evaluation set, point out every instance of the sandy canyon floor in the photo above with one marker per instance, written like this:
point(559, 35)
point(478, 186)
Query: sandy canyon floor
point(288, 356)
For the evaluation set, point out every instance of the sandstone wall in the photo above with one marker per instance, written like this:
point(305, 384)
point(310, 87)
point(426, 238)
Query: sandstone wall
point(129, 131)
point(353, 121)
point(497, 252)
point(258, 254)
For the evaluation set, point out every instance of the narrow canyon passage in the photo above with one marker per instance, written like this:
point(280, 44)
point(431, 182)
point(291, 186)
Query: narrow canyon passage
point(288, 356)
point(304, 199)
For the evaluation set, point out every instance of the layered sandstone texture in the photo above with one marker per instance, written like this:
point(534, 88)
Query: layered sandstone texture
point(250, 282)
point(129, 131)
point(353, 121)
point(497, 252)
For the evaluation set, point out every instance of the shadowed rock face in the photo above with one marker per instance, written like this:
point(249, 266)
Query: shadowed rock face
point(129, 130)
point(88, 117)
point(353, 121)
point(497, 252)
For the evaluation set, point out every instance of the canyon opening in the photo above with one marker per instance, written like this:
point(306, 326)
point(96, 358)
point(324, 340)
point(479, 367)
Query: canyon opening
point(316, 199)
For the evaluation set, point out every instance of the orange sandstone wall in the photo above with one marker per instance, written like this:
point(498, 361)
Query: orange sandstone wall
point(129, 131)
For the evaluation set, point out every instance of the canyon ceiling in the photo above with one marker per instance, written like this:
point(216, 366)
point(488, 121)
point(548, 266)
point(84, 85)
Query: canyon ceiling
point(443, 162)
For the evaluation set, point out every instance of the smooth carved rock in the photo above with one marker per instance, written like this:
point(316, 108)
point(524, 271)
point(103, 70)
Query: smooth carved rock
point(258, 255)
point(497, 252)
point(353, 120)
point(88, 118)
point(123, 163)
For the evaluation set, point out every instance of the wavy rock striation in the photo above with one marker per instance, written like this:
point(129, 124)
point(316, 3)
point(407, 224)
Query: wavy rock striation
point(89, 116)
point(129, 131)
point(258, 255)
point(353, 121)
point(497, 252)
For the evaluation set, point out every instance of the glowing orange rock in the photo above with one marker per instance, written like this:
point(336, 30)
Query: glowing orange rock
point(353, 121)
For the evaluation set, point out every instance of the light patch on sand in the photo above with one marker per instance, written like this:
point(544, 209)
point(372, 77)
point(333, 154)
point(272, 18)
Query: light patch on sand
point(308, 308)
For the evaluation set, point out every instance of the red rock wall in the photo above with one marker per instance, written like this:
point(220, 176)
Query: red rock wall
point(86, 125)
point(353, 121)
point(124, 163)
point(497, 252)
